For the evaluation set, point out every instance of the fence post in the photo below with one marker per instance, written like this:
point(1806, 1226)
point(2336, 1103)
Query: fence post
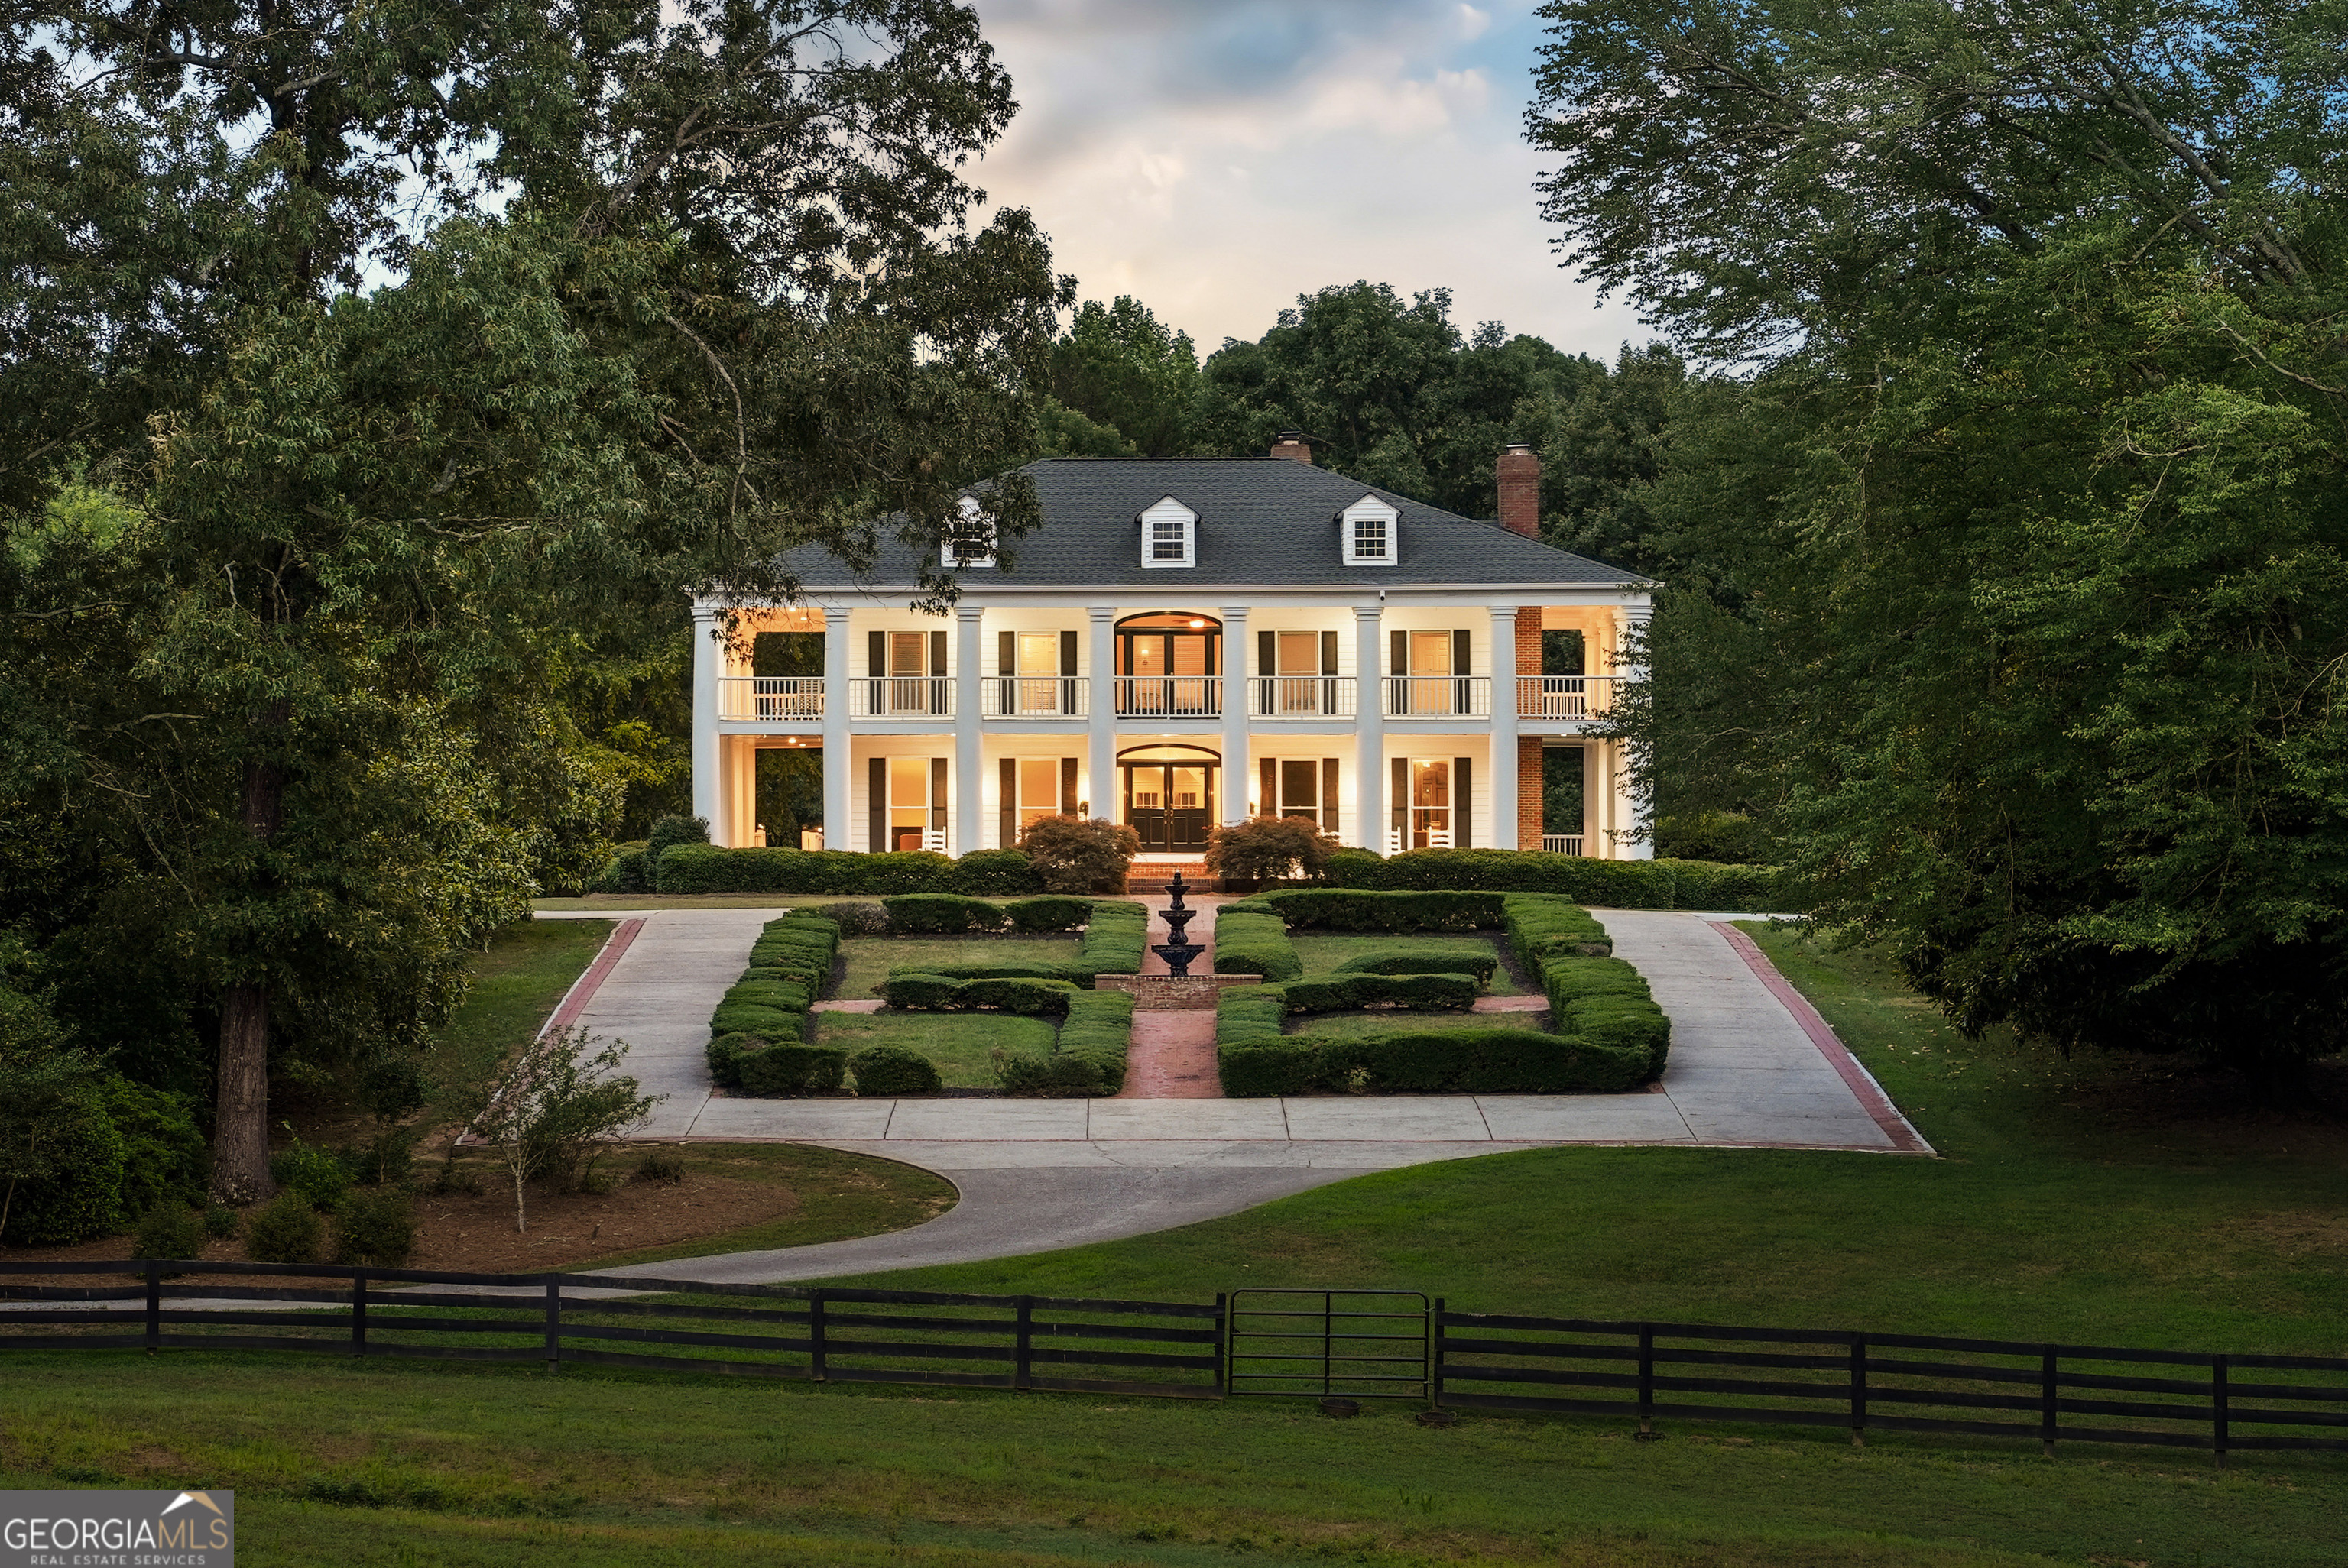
point(1435, 1370)
point(814, 1334)
point(358, 1312)
point(1646, 1381)
point(2046, 1402)
point(154, 1306)
point(2219, 1407)
point(1858, 1390)
point(1023, 1358)
point(1223, 1341)
point(553, 1324)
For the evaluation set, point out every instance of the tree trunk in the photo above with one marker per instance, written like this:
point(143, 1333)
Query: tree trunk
point(241, 1127)
point(241, 1130)
point(520, 1225)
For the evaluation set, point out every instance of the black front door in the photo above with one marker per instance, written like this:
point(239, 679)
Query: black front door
point(1170, 805)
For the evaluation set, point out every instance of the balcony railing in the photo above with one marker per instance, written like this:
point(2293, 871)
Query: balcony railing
point(1438, 696)
point(1563, 696)
point(1034, 696)
point(1302, 696)
point(770, 699)
point(1169, 696)
point(1560, 843)
point(902, 697)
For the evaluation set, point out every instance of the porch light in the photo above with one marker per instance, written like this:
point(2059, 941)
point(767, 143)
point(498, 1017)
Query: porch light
point(1197, 625)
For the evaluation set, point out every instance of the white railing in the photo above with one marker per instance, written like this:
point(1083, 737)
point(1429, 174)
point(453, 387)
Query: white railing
point(1560, 843)
point(1437, 838)
point(1303, 696)
point(1438, 696)
point(902, 697)
point(770, 699)
point(1034, 696)
point(1169, 696)
point(1563, 696)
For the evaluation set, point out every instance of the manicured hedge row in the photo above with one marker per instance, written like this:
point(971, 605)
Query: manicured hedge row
point(1114, 932)
point(1540, 928)
point(1356, 909)
point(1618, 884)
point(1113, 939)
point(758, 1031)
point(915, 992)
point(1248, 943)
point(1480, 965)
point(1445, 1061)
point(951, 914)
point(1412, 992)
point(1248, 1015)
point(1088, 1059)
point(707, 868)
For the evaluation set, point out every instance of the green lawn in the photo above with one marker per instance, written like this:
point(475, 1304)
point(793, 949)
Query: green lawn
point(958, 1043)
point(519, 979)
point(870, 958)
point(1386, 1020)
point(1322, 951)
point(597, 1468)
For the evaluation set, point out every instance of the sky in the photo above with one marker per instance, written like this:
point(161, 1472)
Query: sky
point(1218, 157)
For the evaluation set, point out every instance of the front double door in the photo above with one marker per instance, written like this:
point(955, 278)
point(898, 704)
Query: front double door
point(1171, 804)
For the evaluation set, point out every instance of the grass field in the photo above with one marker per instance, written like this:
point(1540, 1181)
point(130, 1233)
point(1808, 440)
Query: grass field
point(2094, 1200)
point(959, 1043)
point(868, 959)
point(1324, 951)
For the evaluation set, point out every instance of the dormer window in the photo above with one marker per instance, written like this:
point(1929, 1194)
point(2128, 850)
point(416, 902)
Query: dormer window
point(1369, 534)
point(972, 543)
point(1169, 535)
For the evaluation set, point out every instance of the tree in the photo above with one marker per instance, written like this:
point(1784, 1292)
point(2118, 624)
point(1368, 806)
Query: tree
point(1119, 367)
point(48, 1091)
point(437, 351)
point(2031, 508)
point(555, 1104)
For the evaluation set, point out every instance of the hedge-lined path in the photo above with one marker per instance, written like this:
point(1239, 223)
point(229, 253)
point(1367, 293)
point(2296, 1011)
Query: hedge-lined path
point(1172, 1056)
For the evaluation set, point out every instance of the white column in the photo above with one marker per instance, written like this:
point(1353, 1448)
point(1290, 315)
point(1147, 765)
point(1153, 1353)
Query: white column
point(966, 782)
point(1597, 799)
point(1237, 704)
point(1503, 768)
point(1370, 730)
point(1100, 725)
point(708, 663)
point(1630, 812)
point(838, 760)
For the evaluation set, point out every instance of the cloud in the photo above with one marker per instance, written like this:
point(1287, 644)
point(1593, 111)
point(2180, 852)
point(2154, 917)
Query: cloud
point(1218, 157)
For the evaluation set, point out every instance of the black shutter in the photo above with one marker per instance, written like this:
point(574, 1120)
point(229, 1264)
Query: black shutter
point(1398, 653)
point(1267, 669)
point(938, 786)
point(1007, 817)
point(1006, 665)
point(1328, 688)
point(877, 808)
point(1459, 688)
point(1069, 772)
point(937, 670)
point(1328, 653)
point(877, 642)
point(1268, 805)
point(1399, 806)
point(1068, 681)
point(1329, 793)
point(1463, 797)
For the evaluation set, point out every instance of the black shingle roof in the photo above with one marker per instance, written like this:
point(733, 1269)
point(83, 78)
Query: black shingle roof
point(1262, 521)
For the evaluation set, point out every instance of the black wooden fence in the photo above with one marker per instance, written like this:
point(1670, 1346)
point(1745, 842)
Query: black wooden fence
point(1644, 1371)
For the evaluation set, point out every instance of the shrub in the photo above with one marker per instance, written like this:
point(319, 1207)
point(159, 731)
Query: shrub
point(925, 991)
point(219, 1222)
point(319, 1175)
point(555, 1106)
point(1265, 1070)
point(942, 915)
point(1353, 909)
point(1265, 847)
point(783, 1070)
point(1412, 992)
point(1632, 1025)
point(1074, 855)
point(919, 991)
point(1569, 979)
point(628, 871)
point(80, 1195)
point(994, 874)
point(1718, 837)
point(1479, 965)
point(1248, 1015)
point(1099, 1023)
point(653, 1165)
point(773, 1023)
point(1254, 945)
point(890, 1072)
point(1049, 913)
point(670, 831)
point(1056, 1076)
point(858, 917)
point(1087, 1058)
point(1114, 940)
point(707, 868)
point(170, 1230)
point(287, 1231)
point(164, 1158)
point(1448, 1061)
point(1543, 928)
point(378, 1228)
point(725, 1057)
point(1618, 884)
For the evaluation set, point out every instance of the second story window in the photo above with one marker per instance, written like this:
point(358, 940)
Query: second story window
point(972, 543)
point(1169, 535)
point(1168, 539)
point(1369, 538)
point(1369, 532)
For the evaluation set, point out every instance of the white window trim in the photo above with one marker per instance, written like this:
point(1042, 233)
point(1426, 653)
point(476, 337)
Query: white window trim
point(1168, 509)
point(1367, 508)
point(972, 514)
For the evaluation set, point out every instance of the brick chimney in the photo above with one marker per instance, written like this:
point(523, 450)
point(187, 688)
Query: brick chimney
point(1519, 476)
point(1292, 445)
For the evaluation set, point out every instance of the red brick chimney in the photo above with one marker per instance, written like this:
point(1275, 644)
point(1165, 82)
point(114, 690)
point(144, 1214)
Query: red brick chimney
point(1519, 476)
point(1292, 445)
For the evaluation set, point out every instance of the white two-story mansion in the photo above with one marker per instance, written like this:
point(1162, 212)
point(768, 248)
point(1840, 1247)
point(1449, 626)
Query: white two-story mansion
point(1186, 641)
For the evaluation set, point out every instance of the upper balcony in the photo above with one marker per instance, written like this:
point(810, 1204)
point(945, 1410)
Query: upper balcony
point(1565, 697)
point(770, 700)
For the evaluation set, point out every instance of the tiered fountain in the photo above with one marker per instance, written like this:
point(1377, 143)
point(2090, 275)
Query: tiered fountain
point(1181, 952)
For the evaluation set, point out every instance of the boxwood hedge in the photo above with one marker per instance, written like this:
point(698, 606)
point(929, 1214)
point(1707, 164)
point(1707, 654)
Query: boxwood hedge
point(1087, 1059)
point(709, 868)
point(1247, 943)
point(765, 1012)
point(1480, 965)
point(913, 991)
point(1617, 884)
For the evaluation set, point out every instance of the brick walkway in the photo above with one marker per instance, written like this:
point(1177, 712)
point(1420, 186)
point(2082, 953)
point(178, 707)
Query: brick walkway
point(1173, 1052)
